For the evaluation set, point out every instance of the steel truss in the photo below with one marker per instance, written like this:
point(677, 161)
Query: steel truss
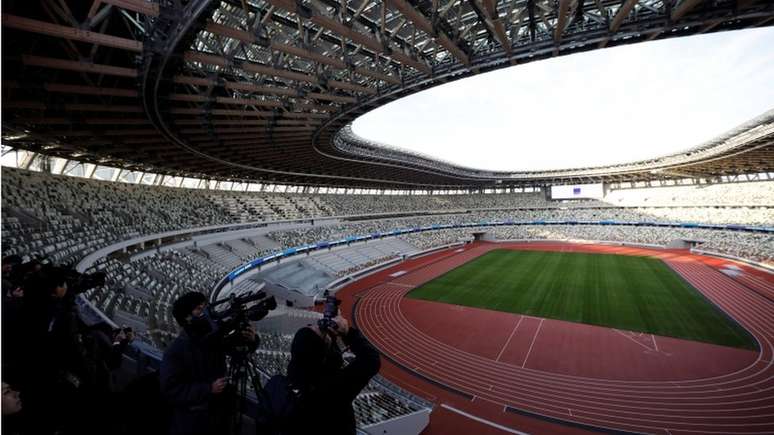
point(263, 90)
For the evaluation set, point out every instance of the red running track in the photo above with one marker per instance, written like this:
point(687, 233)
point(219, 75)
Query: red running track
point(739, 400)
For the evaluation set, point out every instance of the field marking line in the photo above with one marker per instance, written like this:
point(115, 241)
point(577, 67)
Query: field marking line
point(509, 338)
point(399, 284)
point(533, 342)
point(482, 420)
point(654, 342)
point(630, 338)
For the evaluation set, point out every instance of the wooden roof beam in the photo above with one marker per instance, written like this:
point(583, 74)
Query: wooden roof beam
point(274, 72)
point(329, 97)
point(70, 33)
point(19, 104)
point(424, 24)
point(494, 24)
point(250, 38)
point(102, 108)
point(305, 115)
point(621, 15)
point(315, 107)
point(212, 59)
point(90, 90)
point(308, 54)
point(142, 6)
point(194, 81)
point(249, 102)
point(377, 75)
point(683, 8)
point(347, 32)
point(351, 87)
point(561, 22)
point(69, 65)
point(340, 29)
point(409, 61)
point(295, 51)
point(227, 112)
point(250, 87)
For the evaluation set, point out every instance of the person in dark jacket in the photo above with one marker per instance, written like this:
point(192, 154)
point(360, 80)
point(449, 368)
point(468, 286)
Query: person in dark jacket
point(54, 379)
point(193, 372)
point(12, 411)
point(327, 386)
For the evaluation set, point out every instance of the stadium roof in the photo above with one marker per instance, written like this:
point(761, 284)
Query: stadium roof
point(266, 90)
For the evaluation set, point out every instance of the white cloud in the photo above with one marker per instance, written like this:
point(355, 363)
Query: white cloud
point(601, 107)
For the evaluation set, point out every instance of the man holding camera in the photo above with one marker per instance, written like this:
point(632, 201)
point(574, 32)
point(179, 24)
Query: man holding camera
point(193, 371)
point(317, 394)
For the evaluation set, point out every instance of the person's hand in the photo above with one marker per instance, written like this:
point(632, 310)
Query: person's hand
point(342, 325)
point(249, 333)
point(218, 386)
point(18, 292)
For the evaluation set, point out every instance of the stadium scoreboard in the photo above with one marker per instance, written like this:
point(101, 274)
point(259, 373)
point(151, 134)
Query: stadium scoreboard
point(578, 191)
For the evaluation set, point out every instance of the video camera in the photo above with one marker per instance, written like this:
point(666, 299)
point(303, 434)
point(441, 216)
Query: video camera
point(241, 310)
point(41, 273)
point(78, 283)
point(330, 310)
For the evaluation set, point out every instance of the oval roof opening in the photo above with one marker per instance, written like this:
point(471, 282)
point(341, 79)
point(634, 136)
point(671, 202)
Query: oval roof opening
point(602, 107)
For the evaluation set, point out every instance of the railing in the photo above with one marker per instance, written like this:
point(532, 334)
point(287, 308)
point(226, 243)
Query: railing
point(278, 256)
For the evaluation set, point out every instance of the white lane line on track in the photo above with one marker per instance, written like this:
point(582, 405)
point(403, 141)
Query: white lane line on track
point(654, 342)
point(726, 376)
point(756, 388)
point(533, 343)
point(509, 338)
point(400, 284)
point(624, 334)
point(482, 420)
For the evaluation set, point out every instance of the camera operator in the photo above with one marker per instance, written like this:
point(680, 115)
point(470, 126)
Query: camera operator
point(193, 371)
point(319, 385)
point(108, 346)
point(56, 367)
point(12, 316)
point(11, 289)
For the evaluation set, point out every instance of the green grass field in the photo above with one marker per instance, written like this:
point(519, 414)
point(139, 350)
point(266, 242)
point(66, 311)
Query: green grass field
point(634, 293)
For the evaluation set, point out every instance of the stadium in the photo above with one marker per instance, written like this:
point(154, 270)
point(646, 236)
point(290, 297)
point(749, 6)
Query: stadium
point(211, 146)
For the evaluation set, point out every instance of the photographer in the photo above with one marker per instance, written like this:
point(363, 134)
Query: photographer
point(193, 371)
point(12, 315)
point(56, 366)
point(319, 389)
point(108, 346)
point(12, 407)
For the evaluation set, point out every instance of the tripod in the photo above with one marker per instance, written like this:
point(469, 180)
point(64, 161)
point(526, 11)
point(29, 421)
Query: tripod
point(242, 373)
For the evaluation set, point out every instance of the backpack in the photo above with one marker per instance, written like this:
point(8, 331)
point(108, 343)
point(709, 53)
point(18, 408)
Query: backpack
point(279, 405)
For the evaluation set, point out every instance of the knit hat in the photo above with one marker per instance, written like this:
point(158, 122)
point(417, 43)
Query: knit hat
point(185, 304)
point(308, 354)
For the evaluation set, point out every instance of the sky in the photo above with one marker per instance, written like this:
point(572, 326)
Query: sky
point(607, 106)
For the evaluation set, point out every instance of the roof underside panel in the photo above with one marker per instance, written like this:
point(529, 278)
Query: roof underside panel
point(264, 90)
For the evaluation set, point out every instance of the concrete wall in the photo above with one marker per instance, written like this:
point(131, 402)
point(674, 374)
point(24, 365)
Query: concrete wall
point(412, 424)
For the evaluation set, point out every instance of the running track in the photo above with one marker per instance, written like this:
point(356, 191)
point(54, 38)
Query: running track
point(741, 401)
